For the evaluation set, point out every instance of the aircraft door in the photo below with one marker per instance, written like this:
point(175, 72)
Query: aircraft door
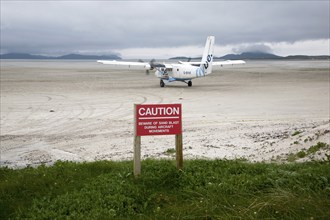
point(176, 73)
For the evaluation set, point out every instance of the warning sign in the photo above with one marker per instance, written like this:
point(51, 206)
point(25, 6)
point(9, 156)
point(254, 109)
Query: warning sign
point(158, 119)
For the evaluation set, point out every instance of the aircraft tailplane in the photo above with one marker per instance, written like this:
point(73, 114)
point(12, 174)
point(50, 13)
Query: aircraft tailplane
point(207, 59)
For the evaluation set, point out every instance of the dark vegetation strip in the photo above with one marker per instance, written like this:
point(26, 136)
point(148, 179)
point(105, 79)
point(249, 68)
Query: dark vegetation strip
point(204, 189)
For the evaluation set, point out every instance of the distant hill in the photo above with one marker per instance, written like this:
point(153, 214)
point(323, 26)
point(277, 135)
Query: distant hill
point(88, 57)
point(303, 57)
point(64, 57)
point(242, 56)
point(259, 56)
point(182, 58)
point(250, 55)
point(22, 56)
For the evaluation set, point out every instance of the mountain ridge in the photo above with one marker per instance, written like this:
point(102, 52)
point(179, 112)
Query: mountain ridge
point(260, 56)
point(242, 56)
point(63, 57)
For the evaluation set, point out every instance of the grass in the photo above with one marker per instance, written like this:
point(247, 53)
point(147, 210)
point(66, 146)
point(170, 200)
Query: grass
point(317, 147)
point(296, 133)
point(312, 150)
point(301, 154)
point(204, 189)
point(170, 151)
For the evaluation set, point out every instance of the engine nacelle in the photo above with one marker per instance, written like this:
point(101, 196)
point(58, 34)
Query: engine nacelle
point(148, 67)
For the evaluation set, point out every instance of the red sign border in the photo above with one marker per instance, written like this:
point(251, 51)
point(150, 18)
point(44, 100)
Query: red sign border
point(177, 130)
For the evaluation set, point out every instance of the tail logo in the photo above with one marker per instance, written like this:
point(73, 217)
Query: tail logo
point(199, 72)
point(208, 60)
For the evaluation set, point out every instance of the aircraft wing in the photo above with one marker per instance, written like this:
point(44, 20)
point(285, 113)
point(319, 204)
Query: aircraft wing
point(190, 63)
point(228, 62)
point(126, 64)
point(134, 65)
point(216, 63)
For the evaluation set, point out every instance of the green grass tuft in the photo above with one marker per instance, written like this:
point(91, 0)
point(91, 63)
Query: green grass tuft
point(317, 147)
point(303, 153)
point(296, 133)
point(170, 151)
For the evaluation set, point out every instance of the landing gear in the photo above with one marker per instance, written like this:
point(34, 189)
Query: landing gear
point(189, 83)
point(162, 84)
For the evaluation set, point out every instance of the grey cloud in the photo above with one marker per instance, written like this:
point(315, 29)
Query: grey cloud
point(60, 27)
point(253, 48)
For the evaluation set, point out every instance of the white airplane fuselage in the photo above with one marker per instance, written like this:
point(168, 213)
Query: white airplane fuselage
point(179, 72)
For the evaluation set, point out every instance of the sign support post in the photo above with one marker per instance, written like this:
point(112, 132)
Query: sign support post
point(178, 149)
point(157, 119)
point(137, 156)
point(137, 149)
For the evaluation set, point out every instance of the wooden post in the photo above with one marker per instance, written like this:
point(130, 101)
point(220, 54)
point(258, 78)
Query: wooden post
point(137, 156)
point(178, 148)
point(137, 149)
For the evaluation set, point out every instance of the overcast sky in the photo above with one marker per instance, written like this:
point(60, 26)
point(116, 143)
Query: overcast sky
point(163, 29)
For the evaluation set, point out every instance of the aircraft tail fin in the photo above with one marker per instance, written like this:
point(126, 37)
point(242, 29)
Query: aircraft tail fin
point(206, 64)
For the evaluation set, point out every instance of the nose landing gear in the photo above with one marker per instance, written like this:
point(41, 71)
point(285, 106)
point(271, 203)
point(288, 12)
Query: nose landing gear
point(162, 84)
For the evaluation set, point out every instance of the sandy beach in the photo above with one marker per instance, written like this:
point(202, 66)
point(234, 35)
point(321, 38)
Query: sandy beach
point(83, 111)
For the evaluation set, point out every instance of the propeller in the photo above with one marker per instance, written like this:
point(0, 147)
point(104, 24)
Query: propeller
point(154, 65)
point(151, 65)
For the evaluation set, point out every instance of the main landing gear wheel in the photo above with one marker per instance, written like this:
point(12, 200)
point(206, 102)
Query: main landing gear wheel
point(189, 83)
point(162, 84)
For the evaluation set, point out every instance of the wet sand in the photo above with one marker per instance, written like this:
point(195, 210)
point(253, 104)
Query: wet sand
point(83, 111)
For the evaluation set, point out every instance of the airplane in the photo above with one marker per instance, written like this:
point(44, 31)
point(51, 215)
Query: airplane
point(181, 71)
